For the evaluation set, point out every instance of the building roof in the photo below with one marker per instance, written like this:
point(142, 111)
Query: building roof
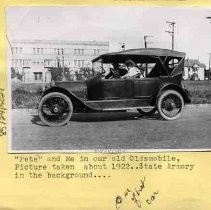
point(59, 42)
point(192, 62)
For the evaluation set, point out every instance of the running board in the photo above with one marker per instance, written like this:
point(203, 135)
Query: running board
point(124, 104)
point(129, 108)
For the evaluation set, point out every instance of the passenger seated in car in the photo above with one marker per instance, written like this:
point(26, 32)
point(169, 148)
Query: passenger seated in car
point(133, 71)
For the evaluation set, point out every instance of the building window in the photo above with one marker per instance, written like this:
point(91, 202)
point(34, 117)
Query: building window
point(37, 50)
point(96, 52)
point(38, 76)
point(75, 63)
point(20, 62)
point(78, 63)
point(26, 62)
point(79, 51)
point(59, 51)
point(38, 63)
point(17, 50)
point(48, 63)
point(15, 62)
point(87, 64)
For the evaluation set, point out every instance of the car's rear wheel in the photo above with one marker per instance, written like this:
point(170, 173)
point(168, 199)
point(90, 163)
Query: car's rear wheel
point(170, 104)
point(147, 111)
point(55, 109)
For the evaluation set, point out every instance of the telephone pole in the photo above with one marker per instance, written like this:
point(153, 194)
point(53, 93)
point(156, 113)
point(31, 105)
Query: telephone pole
point(171, 24)
point(145, 40)
point(145, 45)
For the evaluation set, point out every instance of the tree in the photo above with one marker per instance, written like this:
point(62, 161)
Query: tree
point(13, 73)
point(57, 73)
point(84, 73)
point(16, 74)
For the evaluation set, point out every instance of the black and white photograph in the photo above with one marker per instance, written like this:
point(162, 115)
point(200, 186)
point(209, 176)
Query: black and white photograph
point(109, 78)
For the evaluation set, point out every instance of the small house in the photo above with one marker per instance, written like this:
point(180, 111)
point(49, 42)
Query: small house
point(194, 70)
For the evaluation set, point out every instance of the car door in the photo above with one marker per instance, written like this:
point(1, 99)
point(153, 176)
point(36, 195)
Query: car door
point(146, 87)
point(118, 89)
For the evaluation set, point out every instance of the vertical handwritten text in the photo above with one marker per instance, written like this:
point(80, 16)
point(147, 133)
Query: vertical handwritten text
point(2, 113)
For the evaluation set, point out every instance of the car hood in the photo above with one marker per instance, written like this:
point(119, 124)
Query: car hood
point(77, 88)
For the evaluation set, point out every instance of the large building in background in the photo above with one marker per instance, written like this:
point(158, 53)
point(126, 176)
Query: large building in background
point(33, 58)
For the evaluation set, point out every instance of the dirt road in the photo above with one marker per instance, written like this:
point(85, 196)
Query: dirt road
point(117, 130)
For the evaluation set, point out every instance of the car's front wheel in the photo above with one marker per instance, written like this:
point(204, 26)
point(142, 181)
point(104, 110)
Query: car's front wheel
point(55, 109)
point(170, 104)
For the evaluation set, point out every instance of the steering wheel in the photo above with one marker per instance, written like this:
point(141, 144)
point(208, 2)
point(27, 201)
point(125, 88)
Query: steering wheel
point(114, 73)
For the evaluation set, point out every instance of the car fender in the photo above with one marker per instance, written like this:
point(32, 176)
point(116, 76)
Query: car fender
point(169, 86)
point(77, 102)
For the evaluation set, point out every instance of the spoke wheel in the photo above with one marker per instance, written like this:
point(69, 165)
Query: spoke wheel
point(147, 111)
point(170, 105)
point(55, 109)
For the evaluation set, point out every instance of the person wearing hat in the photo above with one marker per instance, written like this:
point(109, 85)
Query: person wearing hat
point(133, 71)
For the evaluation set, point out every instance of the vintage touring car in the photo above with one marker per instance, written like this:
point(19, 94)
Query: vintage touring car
point(158, 87)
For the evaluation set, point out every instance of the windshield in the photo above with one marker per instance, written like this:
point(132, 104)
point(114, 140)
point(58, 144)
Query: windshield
point(100, 68)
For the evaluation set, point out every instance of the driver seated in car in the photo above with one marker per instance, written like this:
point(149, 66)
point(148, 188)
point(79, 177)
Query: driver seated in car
point(133, 71)
point(114, 72)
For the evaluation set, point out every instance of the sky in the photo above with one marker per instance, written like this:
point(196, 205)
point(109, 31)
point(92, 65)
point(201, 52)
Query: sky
point(116, 24)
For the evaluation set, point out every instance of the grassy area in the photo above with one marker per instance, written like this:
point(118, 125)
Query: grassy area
point(27, 95)
point(200, 91)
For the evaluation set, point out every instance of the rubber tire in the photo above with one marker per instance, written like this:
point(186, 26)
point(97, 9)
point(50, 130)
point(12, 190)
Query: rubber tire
point(55, 94)
point(147, 113)
point(159, 102)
